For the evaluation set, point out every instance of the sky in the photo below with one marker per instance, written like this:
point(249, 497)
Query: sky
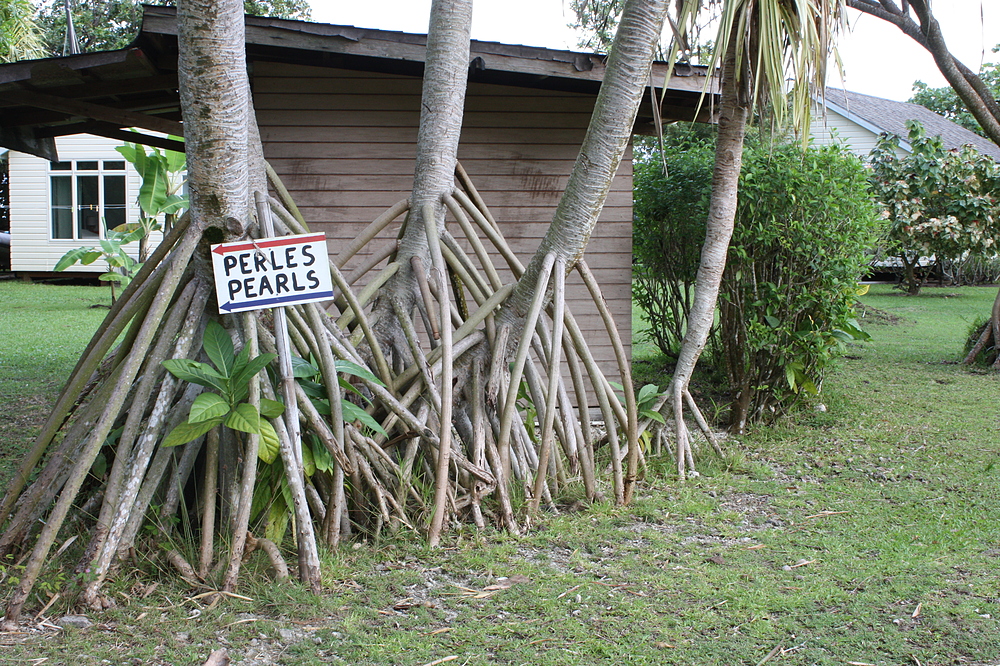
point(878, 59)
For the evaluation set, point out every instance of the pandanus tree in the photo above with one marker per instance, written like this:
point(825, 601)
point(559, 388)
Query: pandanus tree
point(404, 413)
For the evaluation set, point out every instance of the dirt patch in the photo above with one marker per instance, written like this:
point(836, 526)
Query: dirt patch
point(869, 315)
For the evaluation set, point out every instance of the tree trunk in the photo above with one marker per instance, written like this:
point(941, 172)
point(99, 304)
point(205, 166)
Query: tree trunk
point(733, 112)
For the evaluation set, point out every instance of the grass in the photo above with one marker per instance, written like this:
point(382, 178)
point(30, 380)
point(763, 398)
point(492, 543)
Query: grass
point(43, 330)
point(864, 534)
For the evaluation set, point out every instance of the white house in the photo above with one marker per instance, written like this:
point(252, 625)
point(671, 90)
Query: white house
point(58, 206)
point(857, 120)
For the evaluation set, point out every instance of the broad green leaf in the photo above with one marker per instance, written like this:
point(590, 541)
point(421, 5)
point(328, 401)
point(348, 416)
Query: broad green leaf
point(647, 393)
point(354, 413)
point(268, 448)
point(241, 379)
point(244, 418)
point(197, 373)
point(321, 455)
point(349, 368)
point(175, 159)
point(188, 432)
point(302, 368)
point(277, 519)
point(71, 258)
point(218, 347)
point(173, 204)
point(153, 191)
point(89, 257)
point(308, 462)
point(654, 415)
point(272, 409)
point(773, 322)
point(208, 406)
point(113, 277)
point(127, 151)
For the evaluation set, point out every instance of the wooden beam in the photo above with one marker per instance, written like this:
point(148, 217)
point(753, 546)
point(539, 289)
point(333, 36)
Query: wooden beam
point(98, 112)
point(111, 88)
point(112, 131)
point(25, 141)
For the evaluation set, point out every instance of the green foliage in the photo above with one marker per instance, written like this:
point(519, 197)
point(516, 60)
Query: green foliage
point(121, 266)
point(160, 191)
point(804, 223)
point(159, 195)
point(668, 231)
point(976, 329)
point(938, 202)
point(309, 378)
point(19, 34)
point(105, 25)
point(946, 102)
point(229, 377)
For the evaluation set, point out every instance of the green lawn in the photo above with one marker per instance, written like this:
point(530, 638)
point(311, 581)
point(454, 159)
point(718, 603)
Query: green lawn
point(865, 534)
point(43, 330)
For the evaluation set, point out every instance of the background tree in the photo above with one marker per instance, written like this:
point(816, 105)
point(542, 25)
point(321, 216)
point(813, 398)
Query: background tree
point(760, 44)
point(103, 25)
point(940, 203)
point(915, 19)
point(946, 102)
point(804, 223)
point(19, 35)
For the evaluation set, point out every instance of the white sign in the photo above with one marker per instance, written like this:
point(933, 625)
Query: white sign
point(271, 272)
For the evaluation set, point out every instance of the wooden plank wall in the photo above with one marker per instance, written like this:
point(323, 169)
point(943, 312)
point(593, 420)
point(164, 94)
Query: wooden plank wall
point(344, 143)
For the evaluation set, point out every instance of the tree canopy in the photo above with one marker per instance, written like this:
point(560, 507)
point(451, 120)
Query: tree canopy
point(938, 202)
point(19, 38)
point(946, 102)
point(103, 25)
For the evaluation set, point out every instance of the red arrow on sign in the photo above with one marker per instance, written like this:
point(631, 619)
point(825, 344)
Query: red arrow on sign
point(226, 248)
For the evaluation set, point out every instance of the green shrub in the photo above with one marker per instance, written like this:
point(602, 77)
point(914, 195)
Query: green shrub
point(667, 234)
point(804, 223)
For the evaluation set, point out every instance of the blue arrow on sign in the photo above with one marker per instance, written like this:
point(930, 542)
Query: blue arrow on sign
point(282, 300)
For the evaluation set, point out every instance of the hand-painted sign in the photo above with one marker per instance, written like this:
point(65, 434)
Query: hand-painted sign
point(269, 272)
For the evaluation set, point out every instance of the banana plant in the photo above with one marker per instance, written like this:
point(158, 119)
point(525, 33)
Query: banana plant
point(160, 192)
point(121, 266)
point(228, 378)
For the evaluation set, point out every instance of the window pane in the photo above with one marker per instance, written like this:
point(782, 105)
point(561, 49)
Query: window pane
point(88, 206)
point(60, 166)
point(86, 166)
point(62, 207)
point(114, 201)
point(117, 165)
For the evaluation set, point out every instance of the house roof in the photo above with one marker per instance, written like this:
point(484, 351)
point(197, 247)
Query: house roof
point(106, 93)
point(886, 115)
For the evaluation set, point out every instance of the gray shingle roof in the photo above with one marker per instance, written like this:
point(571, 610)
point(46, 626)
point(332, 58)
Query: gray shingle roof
point(891, 116)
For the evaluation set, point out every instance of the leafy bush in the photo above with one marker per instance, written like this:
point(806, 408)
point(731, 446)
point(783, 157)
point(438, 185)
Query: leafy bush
point(804, 223)
point(938, 202)
point(667, 234)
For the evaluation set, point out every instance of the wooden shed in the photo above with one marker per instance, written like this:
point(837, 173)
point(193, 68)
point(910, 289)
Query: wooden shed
point(338, 109)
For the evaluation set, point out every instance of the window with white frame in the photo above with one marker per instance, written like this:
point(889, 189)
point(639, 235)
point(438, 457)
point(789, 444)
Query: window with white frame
point(87, 197)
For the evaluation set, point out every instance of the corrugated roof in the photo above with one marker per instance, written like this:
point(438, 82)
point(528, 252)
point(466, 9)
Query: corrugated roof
point(891, 116)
